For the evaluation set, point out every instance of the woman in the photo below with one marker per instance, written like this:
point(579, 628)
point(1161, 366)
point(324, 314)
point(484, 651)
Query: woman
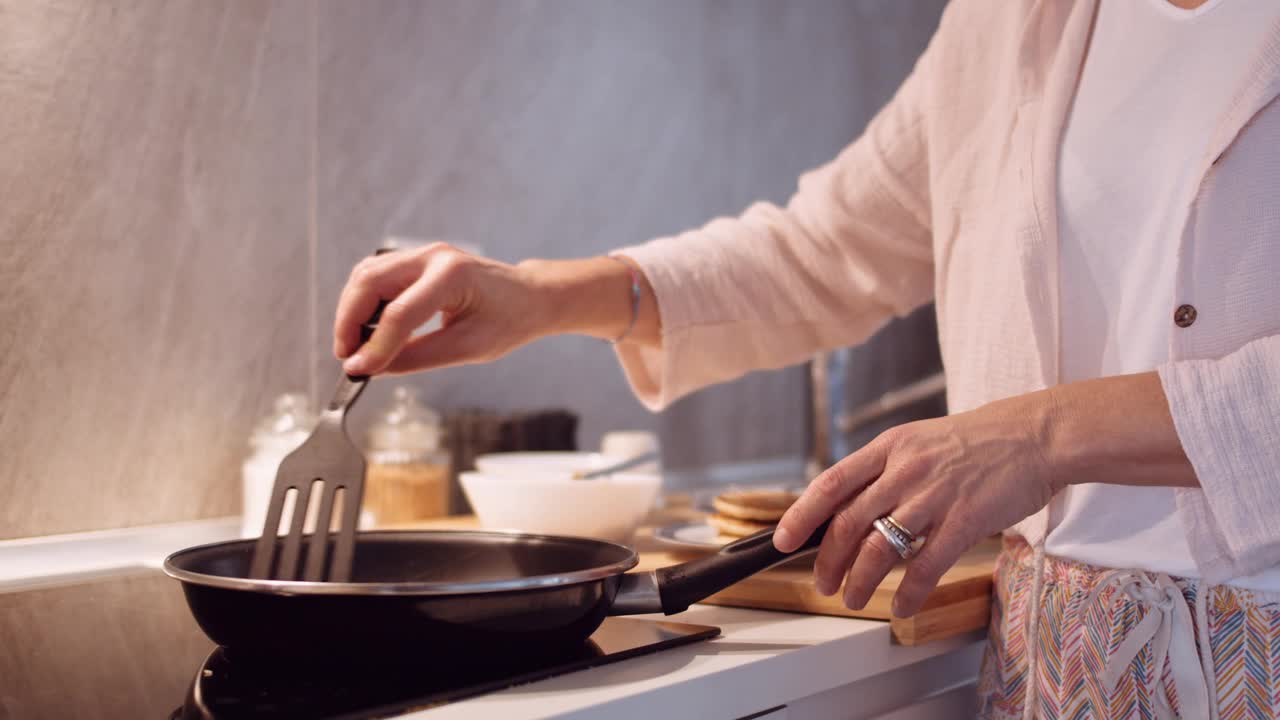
point(1087, 189)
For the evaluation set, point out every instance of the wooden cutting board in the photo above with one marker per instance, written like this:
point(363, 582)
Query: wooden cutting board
point(961, 603)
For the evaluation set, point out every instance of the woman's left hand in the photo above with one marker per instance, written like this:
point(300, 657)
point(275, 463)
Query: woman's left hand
point(955, 479)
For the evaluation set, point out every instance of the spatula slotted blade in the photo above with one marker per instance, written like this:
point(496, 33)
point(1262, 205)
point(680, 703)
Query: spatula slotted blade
point(327, 462)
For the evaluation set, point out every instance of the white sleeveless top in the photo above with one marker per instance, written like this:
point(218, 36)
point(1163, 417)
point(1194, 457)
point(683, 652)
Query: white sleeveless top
point(1155, 82)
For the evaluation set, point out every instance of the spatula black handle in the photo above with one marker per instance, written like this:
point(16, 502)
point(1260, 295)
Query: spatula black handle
point(368, 326)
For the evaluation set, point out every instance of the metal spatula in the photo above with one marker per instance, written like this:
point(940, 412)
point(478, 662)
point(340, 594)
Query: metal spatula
point(324, 464)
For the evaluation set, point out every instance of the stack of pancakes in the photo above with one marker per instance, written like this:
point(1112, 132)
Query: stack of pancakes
point(746, 512)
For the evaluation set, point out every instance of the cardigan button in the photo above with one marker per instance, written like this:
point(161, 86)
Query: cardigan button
point(1184, 316)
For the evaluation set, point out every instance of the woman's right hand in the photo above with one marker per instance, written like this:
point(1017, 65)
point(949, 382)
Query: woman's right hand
point(489, 308)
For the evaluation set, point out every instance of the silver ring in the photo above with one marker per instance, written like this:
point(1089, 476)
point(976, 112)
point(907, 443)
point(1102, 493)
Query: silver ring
point(902, 540)
point(909, 536)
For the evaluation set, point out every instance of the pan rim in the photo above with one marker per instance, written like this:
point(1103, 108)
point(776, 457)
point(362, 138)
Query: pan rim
point(303, 587)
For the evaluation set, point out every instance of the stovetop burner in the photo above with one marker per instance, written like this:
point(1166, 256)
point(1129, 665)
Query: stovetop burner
point(227, 687)
point(126, 646)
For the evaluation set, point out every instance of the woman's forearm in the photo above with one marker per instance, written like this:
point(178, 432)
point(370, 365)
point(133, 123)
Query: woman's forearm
point(960, 478)
point(1111, 430)
point(1114, 430)
point(593, 297)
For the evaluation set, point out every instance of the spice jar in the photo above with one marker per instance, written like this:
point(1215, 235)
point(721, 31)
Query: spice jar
point(408, 468)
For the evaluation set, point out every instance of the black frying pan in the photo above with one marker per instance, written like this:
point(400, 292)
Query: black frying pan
point(448, 594)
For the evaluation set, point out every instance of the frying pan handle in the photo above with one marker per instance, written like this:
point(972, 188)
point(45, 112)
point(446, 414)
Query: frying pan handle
point(682, 585)
point(367, 328)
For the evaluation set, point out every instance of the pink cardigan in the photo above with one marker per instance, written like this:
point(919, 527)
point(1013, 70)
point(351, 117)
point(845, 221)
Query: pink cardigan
point(950, 196)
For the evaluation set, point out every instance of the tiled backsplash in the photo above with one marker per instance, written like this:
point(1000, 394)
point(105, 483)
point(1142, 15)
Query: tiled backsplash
point(158, 281)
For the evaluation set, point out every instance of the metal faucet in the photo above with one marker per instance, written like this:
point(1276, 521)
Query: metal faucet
point(826, 391)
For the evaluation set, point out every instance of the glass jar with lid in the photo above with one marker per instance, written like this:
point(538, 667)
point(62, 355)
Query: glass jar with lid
point(408, 467)
point(275, 436)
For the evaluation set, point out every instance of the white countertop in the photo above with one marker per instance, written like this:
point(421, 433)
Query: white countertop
point(60, 559)
point(761, 660)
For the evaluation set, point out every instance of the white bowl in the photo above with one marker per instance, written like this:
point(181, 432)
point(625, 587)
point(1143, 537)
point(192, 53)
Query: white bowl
point(522, 463)
point(608, 508)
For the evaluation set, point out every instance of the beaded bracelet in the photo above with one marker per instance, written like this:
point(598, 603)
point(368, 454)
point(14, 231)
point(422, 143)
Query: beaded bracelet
point(635, 297)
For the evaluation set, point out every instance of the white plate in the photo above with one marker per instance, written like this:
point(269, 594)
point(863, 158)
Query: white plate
point(689, 536)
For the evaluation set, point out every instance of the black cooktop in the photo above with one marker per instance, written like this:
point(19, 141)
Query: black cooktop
point(126, 647)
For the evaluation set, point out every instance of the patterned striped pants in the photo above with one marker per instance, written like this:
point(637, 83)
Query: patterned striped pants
point(1114, 644)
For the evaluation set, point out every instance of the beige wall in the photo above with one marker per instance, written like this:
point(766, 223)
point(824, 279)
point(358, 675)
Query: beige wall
point(157, 281)
point(153, 275)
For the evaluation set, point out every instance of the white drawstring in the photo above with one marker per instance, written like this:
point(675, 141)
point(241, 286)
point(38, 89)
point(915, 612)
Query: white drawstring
point(1167, 626)
point(1033, 624)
